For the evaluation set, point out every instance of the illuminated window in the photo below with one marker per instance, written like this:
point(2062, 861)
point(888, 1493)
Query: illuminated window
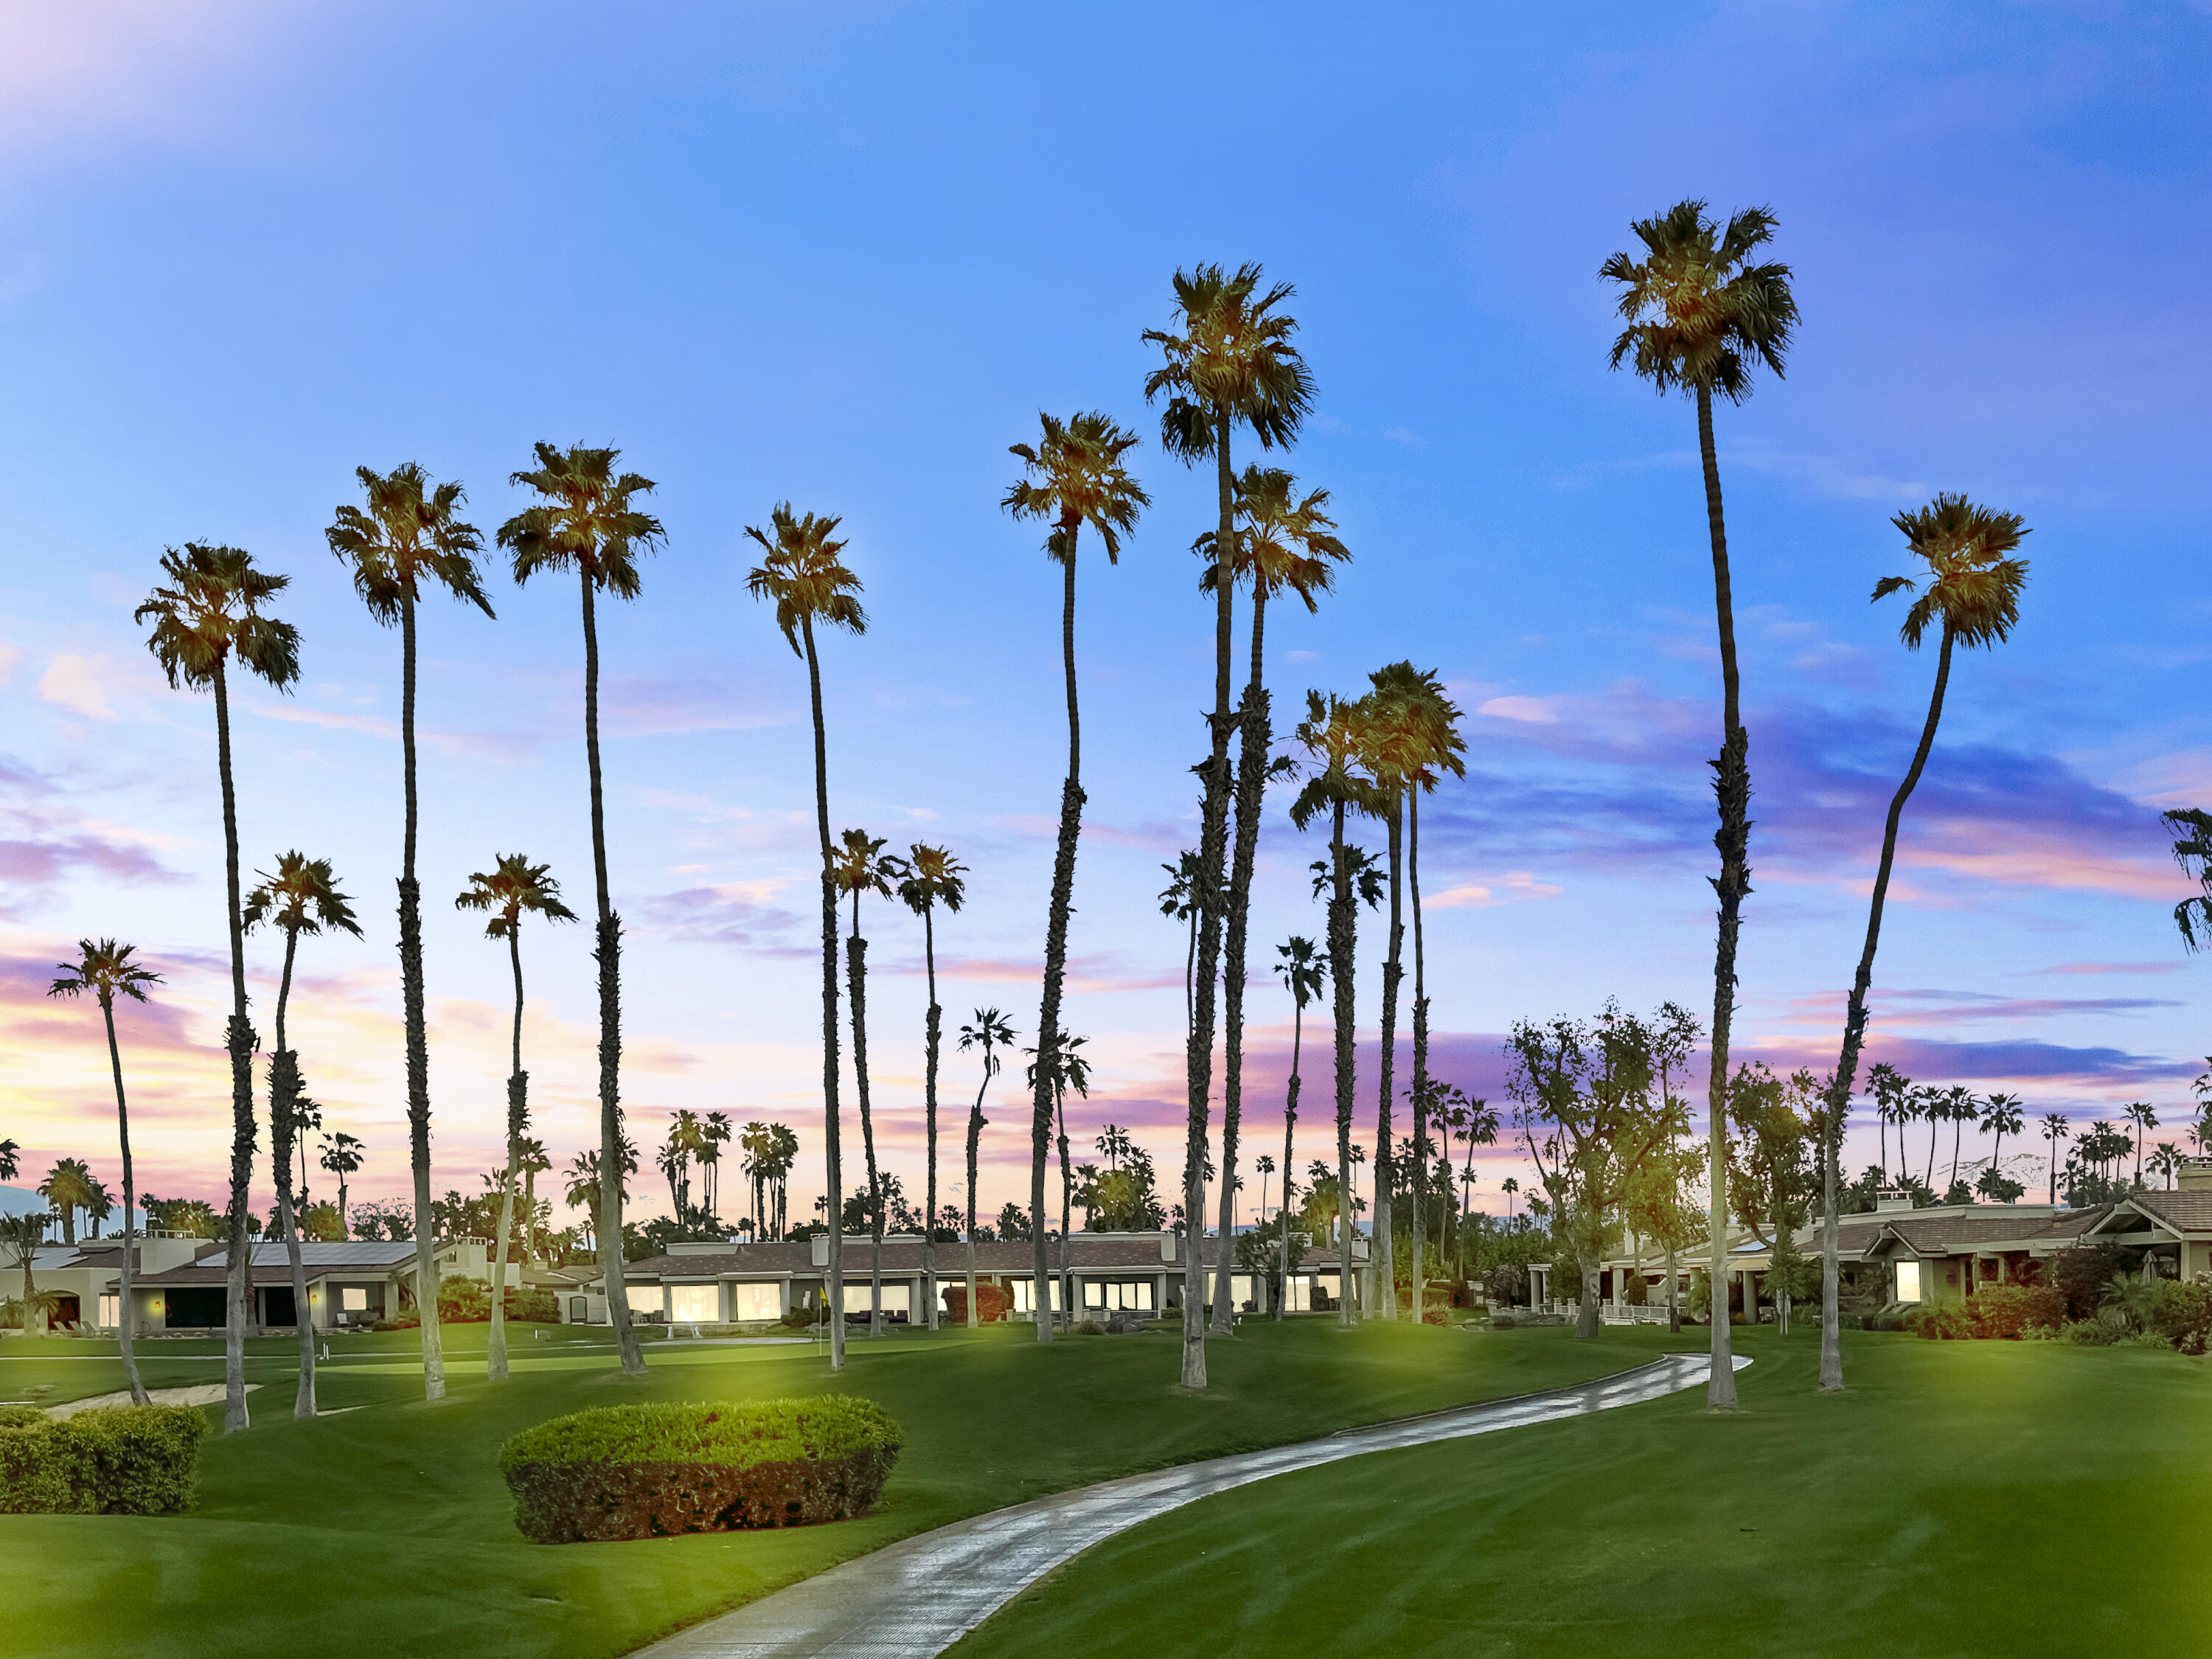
point(1908, 1281)
point(757, 1301)
point(111, 1312)
point(1023, 1301)
point(694, 1305)
point(354, 1298)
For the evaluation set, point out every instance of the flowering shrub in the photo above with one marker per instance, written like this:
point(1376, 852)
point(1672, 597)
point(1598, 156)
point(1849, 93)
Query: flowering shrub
point(654, 1471)
point(992, 1302)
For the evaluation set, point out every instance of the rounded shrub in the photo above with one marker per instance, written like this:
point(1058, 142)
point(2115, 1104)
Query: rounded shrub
point(655, 1471)
point(112, 1460)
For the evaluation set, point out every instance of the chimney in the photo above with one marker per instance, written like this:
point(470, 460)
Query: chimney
point(1891, 1197)
point(1167, 1246)
point(819, 1249)
point(2195, 1176)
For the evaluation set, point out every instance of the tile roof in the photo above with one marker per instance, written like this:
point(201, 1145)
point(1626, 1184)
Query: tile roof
point(1944, 1235)
point(1092, 1252)
point(2189, 1212)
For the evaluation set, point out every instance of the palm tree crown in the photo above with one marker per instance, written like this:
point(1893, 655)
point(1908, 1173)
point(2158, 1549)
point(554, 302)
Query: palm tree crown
point(804, 575)
point(1973, 585)
point(105, 969)
point(1079, 479)
point(513, 885)
point(211, 610)
point(408, 531)
point(301, 898)
point(933, 877)
point(1697, 313)
point(586, 522)
point(1232, 360)
point(1285, 544)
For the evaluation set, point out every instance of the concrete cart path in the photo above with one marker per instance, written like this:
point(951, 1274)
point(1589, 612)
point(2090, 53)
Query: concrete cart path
point(914, 1599)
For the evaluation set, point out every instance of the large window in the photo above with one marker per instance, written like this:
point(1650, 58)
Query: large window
point(1115, 1295)
point(860, 1297)
point(1908, 1281)
point(757, 1301)
point(694, 1305)
point(1024, 1302)
point(110, 1314)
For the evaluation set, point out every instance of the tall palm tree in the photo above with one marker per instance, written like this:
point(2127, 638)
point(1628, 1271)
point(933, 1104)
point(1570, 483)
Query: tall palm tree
point(1073, 1072)
point(210, 615)
point(990, 1033)
point(410, 536)
point(1302, 969)
point(2139, 1114)
point(1425, 744)
point(1179, 903)
point(936, 878)
point(1972, 590)
point(2000, 1117)
point(301, 898)
point(105, 969)
point(1699, 316)
point(1283, 542)
point(1229, 362)
point(341, 1155)
point(586, 521)
point(1330, 736)
point(2054, 1129)
point(863, 866)
point(512, 886)
point(804, 575)
point(533, 1163)
point(713, 1134)
point(1076, 476)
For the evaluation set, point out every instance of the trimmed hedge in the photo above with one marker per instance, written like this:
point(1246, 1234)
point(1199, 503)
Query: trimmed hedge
point(655, 1471)
point(111, 1460)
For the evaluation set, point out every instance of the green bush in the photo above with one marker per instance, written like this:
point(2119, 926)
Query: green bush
point(1945, 1320)
point(17, 1417)
point(112, 1460)
point(2182, 1314)
point(654, 1471)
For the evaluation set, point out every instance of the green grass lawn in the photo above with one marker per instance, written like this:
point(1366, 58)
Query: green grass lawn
point(1961, 1498)
point(386, 1530)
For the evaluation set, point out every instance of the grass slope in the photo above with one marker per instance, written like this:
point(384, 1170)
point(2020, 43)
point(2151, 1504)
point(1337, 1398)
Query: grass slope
point(385, 1530)
point(1960, 1498)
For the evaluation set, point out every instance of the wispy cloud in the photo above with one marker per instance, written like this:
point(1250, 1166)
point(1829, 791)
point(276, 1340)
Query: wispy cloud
point(1823, 475)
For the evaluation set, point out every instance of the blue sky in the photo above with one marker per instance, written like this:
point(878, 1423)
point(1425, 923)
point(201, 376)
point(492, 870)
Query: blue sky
point(844, 256)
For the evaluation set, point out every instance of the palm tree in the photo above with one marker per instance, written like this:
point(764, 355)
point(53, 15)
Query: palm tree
point(210, 615)
point(68, 1187)
point(587, 522)
point(2141, 1113)
point(301, 898)
point(808, 583)
point(1419, 725)
point(1974, 591)
point(341, 1155)
point(20, 1236)
point(512, 886)
point(533, 1163)
point(1960, 1109)
point(1179, 903)
point(1073, 1072)
point(1282, 543)
point(863, 866)
point(1302, 969)
point(1231, 364)
point(1075, 477)
point(1698, 316)
point(714, 1135)
point(2166, 1160)
point(990, 1033)
point(410, 536)
point(2000, 1117)
point(105, 969)
point(1329, 734)
point(2054, 1129)
point(1265, 1165)
point(936, 878)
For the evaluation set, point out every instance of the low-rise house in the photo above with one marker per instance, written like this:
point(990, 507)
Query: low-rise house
point(357, 1283)
point(736, 1283)
point(84, 1275)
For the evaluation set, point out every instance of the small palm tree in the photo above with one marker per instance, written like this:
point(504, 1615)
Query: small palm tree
point(1283, 543)
point(1972, 590)
point(1303, 969)
point(533, 1163)
point(513, 886)
point(990, 1033)
point(587, 520)
point(342, 1157)
point(863, 866)
point(1699, 315)
point(804, 573)
point(2166, 1160)
point(1228, 362)
point(105, 969)
point(2001, 1116)
point(69, 1187)
point(2145, 1118)
point(934, 877)
point(301, 898)
point(20, 1236)
point(1071, 1071)
point(1330, 736)
point(411, 535)
point(211, 614)
point(2054, 1129)
point(1179, 903)
point(1076, 477)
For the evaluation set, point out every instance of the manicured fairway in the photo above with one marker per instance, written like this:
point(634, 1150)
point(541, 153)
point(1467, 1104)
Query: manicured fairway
point(1962, 1498)
point(386, 1531)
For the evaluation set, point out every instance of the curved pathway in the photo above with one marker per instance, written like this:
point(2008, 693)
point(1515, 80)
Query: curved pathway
point(914, 1599)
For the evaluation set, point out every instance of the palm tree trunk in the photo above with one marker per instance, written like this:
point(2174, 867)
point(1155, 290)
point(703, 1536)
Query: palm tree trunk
point(1855, 1019)
point(931, 1026)
point(125, 1313)
point(1289, 1131)
point(1067, 1208)
point(1251, 787)
point(284, 1109)
point(518, 1118)
point(1386, 1160)
point(239, 1040)
point(1212, 849)
point(608, 955)
point(1732, 791)
point(856, 974)
point(833, 1171)
point(1421, 1054)
point(974, 1145)
point(1342, 941)
point(417, 1040)
point(1055, 949)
